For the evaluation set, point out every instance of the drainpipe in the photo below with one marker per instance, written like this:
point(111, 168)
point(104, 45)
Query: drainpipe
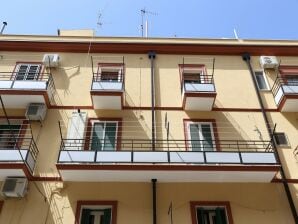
point(151, 56)
point(154, 200)
point(246, 58)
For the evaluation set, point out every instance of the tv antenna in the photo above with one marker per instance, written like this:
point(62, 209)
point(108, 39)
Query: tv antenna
point(143, 13)
point(3, 27)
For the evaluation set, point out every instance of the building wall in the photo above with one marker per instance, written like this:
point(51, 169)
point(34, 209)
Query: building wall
point(250, 202)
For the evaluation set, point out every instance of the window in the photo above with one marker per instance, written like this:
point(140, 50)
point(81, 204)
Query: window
point(104, 135)
point(194, 75)
point(27, 71)
point(96, 215)
point(261, 80)
point(211, 215)
point(201, 136)
point(109, 73)
point(96, 212)
point(9, 135)
point(209, 212)
point(281, 139)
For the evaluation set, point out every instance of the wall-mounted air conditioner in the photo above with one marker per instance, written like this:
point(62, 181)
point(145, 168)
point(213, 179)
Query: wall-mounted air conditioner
point(51, 60)
point(36, 111)
point(14, 187)
point(268, 62)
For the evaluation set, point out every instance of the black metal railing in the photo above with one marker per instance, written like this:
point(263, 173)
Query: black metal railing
point(168, 152)
point(291, 80)
point(18, 145)
point(168, 145)
point(205, 79)
point(12, 79)
point(105, 81)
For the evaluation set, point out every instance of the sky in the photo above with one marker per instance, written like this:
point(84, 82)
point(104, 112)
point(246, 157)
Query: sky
point(252, 19)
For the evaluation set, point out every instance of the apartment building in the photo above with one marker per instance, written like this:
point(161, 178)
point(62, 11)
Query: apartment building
point(108, 130)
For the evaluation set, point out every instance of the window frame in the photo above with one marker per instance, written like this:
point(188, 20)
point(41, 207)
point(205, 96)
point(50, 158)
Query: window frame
point(108, 204)
point(286, 138)
point(215, 137)
point(110, 66)
point(104, 132)
point(37, 76)
point(192, 69)
point(196, 204)
point(265, 80)
point(89, 131)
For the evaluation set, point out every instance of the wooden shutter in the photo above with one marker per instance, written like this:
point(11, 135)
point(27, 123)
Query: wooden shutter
point(220, 216)
point(107, 215)
point(85, 216)
point(200, 216)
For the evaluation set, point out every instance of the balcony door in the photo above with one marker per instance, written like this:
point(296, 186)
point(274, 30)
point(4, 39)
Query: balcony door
point(201, 136)
point(104, 136)
point(9, 136)
point(27, 71)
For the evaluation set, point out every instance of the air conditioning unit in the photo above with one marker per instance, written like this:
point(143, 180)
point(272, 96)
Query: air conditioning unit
point(36, 111)
point(51, 60)
point(14, 187)
point(269, 62)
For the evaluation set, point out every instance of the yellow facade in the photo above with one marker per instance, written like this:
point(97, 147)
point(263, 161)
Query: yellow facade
point(236, 113)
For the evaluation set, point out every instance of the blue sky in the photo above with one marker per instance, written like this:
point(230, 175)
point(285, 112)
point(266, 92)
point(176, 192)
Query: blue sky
point(253, 19)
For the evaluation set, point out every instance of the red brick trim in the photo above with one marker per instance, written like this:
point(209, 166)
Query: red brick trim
point(114, 205)
point(214, 127)
point(194, 204)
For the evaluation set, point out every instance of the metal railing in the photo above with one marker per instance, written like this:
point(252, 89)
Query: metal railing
point(18, 145)
point(284, 81)
point(20, 80)
point(170, 152)
point(199, 84)
point(107, 82)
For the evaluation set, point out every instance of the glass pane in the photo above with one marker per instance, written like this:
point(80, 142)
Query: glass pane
point(261, 80)
point(106, 218)
point(97, 136)
point(195, 137)
point(85, 216)
point(110, 136)
point(207, 137)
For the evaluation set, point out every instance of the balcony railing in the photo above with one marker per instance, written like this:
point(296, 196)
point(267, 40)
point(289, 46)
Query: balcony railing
point(13, 80)
point(204, 84)
point(107, 83)
point(283, 86)
point(16, 148)
point(169, 152)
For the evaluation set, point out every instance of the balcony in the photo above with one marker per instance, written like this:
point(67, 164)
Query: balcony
point(198, 95)
point(237, 161)
point(18, 91)
point(18, 151)
point(107, 90)
point(285, 92)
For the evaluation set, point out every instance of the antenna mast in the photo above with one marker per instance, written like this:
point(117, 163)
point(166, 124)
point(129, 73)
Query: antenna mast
point(143, 13)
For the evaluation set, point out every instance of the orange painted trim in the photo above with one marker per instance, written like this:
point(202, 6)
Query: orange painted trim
point(114, 205)
point(159, 48)
point(106, 93)
point(135, 167)
point(278, 180)
point(214, 129)
point(194, 204)
point(89, 127)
